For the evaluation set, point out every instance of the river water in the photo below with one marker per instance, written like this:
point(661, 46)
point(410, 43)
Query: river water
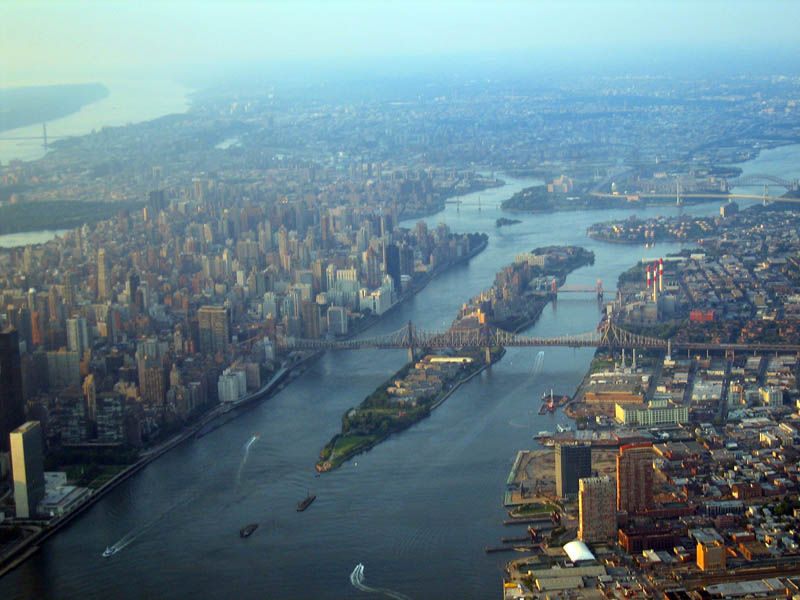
point(127, 102)
point(417, 510)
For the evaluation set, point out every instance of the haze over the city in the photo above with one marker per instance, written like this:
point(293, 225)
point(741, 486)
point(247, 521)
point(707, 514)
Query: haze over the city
point(62, 42)
point(443, 299)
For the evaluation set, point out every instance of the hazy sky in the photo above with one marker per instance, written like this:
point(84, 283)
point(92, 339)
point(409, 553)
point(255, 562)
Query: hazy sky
point(78, 40)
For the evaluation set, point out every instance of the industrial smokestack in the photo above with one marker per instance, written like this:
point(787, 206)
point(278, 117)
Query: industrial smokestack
point(648, 277)
point(655, 282)
point(660, 275)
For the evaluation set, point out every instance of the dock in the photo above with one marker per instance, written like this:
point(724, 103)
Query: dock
point(529, 520)
point(523, 548)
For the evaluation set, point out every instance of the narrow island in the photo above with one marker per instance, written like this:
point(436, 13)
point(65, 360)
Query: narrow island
point(405, 398)
point(522, 289)
point(515, 301)
point(503, 221)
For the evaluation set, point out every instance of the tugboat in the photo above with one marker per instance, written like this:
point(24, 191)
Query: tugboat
point(306, 502)
point(248, 530)
point(550, 402)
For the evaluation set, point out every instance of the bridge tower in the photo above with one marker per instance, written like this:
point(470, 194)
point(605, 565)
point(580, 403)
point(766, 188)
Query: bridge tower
point(766, 193)
point(677, 192)
point(410, 342)
point(599, 289)
point(44, 134)
point(487, 345)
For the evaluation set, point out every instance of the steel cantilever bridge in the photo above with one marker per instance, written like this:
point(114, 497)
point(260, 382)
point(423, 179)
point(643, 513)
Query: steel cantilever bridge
point(608, 335)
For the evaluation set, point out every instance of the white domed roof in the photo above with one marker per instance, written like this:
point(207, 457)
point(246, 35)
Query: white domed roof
point(578, 551)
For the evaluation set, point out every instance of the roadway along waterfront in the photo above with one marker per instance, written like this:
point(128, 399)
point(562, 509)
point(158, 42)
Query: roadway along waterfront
point(417, 510)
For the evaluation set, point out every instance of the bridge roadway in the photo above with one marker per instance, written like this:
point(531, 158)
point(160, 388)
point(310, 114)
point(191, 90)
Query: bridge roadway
point(609, 336)
point(720, 195)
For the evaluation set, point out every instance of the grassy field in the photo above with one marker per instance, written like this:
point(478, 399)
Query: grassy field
point(92, 476)
point(533, 509)
point(348, 443)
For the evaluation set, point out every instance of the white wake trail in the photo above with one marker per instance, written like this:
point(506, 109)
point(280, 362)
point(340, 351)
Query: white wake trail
point(357, 580)
point(538, 363)
point(252, 441)
point(134, 534)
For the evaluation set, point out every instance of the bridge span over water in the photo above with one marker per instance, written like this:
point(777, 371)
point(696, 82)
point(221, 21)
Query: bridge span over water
point(608, 335)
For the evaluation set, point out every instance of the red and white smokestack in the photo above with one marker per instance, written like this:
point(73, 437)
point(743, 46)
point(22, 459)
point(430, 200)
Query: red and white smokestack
point(655, 282)
point(660, 275)
point(648, 277)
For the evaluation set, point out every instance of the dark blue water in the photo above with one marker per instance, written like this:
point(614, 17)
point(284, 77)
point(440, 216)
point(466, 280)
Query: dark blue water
point(417, 510)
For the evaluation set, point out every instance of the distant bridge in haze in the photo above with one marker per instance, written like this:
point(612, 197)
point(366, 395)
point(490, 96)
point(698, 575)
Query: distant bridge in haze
point(759, 179)
point(667, 189)
point(44, 137)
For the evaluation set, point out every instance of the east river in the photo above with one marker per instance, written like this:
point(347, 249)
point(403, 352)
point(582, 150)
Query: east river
point(416, 511)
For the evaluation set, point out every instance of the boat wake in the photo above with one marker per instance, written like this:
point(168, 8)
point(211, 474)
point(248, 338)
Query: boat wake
point(247, 446)
point(134, 534)
point(129, 538)
point(538, 363)
point(357, 580)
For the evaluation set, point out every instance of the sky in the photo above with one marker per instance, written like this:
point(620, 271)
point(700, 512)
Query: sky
point(81, 40)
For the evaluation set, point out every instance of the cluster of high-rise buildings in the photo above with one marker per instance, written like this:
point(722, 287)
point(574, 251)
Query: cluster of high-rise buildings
point(600, 498)
point(112, 331)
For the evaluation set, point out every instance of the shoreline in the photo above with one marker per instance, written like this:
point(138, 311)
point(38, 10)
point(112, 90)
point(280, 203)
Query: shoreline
point(496, 183)
point(17, 555)
point(413, 290)
point(123, 96)
point(438, 402)
point(620, 206)
point(28, 547)
point(328, 462)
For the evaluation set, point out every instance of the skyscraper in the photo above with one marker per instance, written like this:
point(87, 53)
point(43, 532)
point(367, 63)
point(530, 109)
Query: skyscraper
point(27, 466)
point(391, 264)
point(635, 477)
point(12, 405)
point(77, 335)
point(131, 285)
point(310, 312)
point(68, 291)
point(596, 513)
point(63, 368)
point(214, 331)
point(103, 276)
point(152, 384)
point(572, 463)
point(337, 320)
point(372, 268)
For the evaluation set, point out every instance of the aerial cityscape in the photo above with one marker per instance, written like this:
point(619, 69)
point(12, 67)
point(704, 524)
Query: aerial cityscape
point(315, 315)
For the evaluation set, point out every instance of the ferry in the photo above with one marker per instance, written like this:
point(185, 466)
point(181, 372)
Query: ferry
point(306, 502)
point(109, 551)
